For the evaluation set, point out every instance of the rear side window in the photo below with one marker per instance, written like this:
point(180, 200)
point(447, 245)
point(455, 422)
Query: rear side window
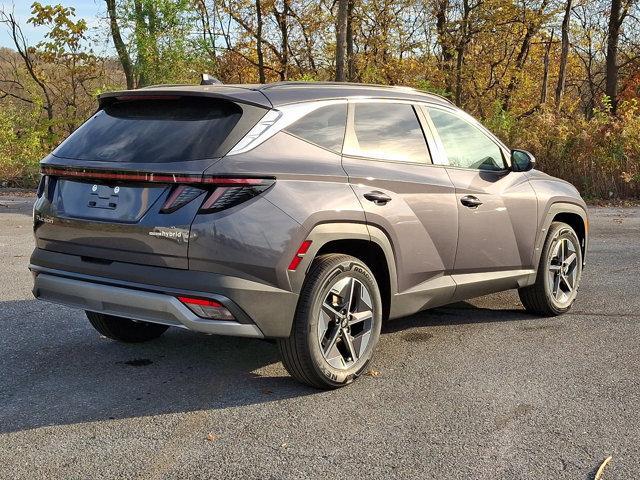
point(388, 131)
point(324, 127)
point(154, 131)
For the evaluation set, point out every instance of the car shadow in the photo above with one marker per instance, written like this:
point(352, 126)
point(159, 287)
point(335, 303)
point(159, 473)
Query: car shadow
point(459, 313)
point(58, 370)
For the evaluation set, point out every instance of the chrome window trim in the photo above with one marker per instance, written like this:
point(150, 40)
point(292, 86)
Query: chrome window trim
point(276, 120)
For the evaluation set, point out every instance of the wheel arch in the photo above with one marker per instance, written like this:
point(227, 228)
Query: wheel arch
point(368, 244)
point(573, 215)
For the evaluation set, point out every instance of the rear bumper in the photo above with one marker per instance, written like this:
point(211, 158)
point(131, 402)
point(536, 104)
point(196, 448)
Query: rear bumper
point(134, 304)
point(149, 293)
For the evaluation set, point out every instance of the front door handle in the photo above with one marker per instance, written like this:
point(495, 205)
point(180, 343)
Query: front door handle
point(377, 197)
point(470, 201)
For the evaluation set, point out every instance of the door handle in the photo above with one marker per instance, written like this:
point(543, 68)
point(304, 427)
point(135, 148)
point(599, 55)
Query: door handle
point(470, 201)
point(377, 197)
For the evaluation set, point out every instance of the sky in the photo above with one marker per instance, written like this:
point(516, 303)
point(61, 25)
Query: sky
point(87, 9)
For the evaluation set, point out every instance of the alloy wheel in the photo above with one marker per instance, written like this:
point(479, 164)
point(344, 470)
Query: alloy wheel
point(345, 322)
point(563, 272)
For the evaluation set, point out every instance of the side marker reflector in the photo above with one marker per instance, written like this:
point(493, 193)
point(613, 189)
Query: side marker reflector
point(304, 248)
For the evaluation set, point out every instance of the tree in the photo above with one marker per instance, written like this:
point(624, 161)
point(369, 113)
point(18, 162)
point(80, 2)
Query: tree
point(121, 49)
point(564, 54)
point(61, 91)
point(341, 39)
point(619, 10)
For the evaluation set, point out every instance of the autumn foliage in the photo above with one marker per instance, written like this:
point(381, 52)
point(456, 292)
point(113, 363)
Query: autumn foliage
point(540, 73)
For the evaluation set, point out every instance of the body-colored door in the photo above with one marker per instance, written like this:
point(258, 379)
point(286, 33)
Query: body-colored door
point(389, 167)
point(497, 208)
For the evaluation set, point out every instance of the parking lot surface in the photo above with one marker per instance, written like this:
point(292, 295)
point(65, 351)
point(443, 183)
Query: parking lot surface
point(479, 389)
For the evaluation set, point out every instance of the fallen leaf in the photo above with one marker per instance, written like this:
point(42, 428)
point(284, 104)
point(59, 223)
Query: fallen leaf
point(373, 373)
point(211, 437)
point(601, 469)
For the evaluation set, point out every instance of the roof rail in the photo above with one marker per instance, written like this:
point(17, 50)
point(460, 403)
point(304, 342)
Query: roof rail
point(268, 86)
point(164, 85)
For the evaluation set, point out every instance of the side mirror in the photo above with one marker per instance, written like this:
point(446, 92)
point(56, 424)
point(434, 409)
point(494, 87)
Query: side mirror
point(522, 161)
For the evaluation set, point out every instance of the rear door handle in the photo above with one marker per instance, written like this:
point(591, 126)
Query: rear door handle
point(377, 197)
point(470, 201)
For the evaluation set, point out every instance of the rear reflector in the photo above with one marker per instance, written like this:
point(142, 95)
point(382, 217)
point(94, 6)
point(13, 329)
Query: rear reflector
point(207, 308)
point(304, 247)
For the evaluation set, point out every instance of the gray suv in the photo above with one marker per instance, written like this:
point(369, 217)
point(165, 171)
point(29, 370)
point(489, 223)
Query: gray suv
point(308, 213)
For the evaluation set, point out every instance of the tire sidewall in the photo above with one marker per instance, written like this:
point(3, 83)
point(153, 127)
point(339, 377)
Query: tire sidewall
point(320, 289)
point(560, 232)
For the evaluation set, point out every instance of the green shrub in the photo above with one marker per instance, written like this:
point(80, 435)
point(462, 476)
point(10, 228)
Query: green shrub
point(600, 156)
point(22, 145)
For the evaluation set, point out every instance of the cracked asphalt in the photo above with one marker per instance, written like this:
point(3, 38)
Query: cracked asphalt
point(478, 389)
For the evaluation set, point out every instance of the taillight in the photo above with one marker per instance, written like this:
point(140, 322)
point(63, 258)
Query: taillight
point(232, 192)
point(180, 196)
point(40, 190)
point(224, 192)
point(207, 308)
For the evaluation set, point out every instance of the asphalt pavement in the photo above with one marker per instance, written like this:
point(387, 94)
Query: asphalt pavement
point(476, 390)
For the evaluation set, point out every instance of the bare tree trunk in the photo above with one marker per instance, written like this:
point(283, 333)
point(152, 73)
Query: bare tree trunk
point(442, 23)
point(208, 31)
point(141, 35)
point(341, 39)
point(460, 50)
point(121, 49)
point(613, 35)
point(545, 74)
point(351, 61)
point(532, 29)
point(284, 29)
point(25, 53)
point(259, 51)
point(564, 54)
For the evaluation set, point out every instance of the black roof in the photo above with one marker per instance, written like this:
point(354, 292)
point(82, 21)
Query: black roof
point(290, 92)
point(281, 93)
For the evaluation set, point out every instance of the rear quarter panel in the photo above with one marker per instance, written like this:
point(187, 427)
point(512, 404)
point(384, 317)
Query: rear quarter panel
point(258, 239)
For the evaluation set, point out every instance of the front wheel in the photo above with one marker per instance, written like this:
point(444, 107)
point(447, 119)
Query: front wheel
point(337, 323)
point(558, 276)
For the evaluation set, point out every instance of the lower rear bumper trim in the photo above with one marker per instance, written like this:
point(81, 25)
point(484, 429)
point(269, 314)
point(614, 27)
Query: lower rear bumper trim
point(134, 304)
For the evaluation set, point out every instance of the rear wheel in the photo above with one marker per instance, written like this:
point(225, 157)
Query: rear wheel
point(337, 323)
point(125, 329)
point(559, 273)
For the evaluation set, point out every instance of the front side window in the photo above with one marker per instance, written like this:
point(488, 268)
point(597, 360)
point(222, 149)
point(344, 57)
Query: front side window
point(387, 131)
point(465, 145)
point(324, 126)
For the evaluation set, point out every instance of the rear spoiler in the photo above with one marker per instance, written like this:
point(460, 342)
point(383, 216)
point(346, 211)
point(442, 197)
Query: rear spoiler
point(234, 94)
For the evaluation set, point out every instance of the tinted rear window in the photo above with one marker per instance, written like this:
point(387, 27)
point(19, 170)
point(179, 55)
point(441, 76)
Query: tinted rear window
point(324, 126)
point(388, 131)
point(153, 131)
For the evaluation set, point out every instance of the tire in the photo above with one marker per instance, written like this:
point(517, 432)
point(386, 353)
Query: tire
point(125, 329)
point(545, 297)
point(330, 347)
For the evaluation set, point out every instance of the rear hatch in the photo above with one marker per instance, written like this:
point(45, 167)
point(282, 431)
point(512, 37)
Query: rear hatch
point(128, 183)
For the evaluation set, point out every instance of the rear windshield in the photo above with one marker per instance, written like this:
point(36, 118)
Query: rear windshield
point(153, 131)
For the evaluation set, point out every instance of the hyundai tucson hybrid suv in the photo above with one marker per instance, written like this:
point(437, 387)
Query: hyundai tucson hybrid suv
point(301, 212)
